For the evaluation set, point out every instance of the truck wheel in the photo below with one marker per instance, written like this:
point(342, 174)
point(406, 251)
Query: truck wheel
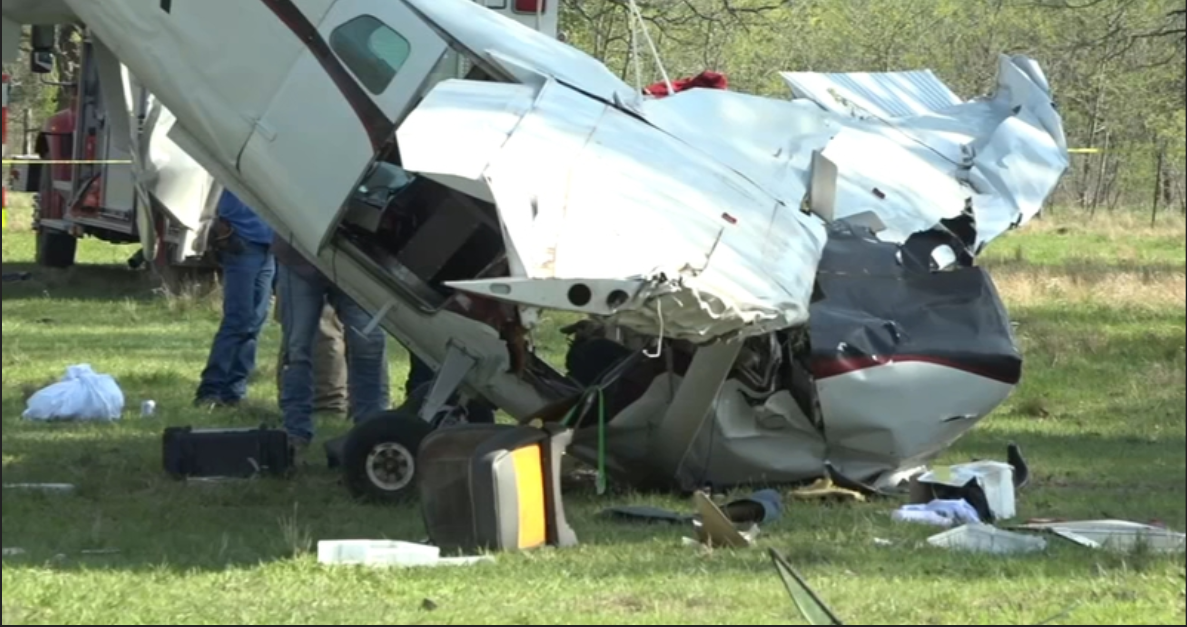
point(55, 249)
point(379, 456)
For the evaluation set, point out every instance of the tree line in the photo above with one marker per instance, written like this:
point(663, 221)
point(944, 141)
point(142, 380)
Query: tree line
point(1118, 67)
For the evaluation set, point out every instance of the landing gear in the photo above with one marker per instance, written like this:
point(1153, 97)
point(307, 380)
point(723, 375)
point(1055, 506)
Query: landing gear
point(378, 456)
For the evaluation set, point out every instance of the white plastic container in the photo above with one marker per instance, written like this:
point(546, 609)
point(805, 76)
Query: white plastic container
point(995, 478)
point(376, 552)
point(404, 555)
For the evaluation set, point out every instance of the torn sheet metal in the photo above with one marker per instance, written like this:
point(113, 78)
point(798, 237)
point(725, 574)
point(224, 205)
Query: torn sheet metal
point(982, 538)
point(722, 255)
point(1115, 535)
point(915, 154)
point(881, 327)
point(881, 95)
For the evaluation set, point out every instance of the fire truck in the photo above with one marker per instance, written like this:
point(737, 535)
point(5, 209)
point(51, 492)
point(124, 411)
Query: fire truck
point(82, 171)
point(87, 182)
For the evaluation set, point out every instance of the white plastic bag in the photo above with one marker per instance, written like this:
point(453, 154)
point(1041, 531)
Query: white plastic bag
point(938, 513)
point(82, 394)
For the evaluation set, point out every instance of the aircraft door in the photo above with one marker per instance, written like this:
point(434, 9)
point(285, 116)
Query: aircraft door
point(338, 108)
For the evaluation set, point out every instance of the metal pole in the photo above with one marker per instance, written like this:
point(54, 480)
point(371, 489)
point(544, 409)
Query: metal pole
point(28, 123)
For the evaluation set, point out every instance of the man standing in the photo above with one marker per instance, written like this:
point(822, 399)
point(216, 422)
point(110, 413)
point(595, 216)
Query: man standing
point(329, 363)
point(304, 292)
point(241, 240)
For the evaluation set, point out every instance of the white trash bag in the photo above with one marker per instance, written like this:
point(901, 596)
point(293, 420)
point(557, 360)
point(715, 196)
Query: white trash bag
point(82, 394)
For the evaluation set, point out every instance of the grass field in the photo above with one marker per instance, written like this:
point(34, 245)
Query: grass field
point(1101, 313)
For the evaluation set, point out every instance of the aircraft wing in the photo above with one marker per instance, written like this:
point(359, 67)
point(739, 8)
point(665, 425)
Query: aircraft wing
point(604, 213)
point(915, 154)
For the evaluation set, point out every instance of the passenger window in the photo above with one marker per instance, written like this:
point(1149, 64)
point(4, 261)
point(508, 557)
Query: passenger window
point(373, 51)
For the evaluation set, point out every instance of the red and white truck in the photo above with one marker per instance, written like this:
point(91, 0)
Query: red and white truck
point(82, 173)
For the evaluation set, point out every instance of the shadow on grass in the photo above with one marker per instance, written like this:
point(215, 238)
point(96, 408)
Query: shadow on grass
point(90, 282)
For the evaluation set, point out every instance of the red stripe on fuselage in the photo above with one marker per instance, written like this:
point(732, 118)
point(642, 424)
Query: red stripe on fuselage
point(826, 368)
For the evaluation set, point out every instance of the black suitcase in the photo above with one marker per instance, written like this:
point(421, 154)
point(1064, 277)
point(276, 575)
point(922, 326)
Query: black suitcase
point(234, 453)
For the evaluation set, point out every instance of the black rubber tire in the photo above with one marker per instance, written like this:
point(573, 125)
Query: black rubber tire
point(55, 249)
point(401, 427)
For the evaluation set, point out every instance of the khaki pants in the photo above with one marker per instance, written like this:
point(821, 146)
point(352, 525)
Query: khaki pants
point(329, 364)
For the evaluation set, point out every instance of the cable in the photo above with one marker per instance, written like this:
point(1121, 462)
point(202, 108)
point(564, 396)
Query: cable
point(651, 44)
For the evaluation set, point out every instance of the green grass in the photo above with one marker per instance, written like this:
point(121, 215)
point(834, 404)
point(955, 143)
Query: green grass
point(1100, 414)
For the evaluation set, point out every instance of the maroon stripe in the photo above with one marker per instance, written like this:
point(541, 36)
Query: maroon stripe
point(379, 128)
point(824, 368)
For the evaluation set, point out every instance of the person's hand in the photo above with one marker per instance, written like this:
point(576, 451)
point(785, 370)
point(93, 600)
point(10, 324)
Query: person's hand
point(223, 238)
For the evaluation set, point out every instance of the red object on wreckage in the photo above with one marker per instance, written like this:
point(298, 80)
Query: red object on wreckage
point(705, 80)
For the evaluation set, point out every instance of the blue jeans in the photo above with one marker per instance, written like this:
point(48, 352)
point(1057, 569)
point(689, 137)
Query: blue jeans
point(302, 300)
point(247, 297)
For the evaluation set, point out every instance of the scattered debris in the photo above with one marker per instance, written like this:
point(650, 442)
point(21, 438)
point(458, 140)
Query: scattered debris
point(646, 514)
point(825, 489)
point(987, 486)
point(41, 487)
point(984, 538)
point(940, 513)
point(883, 542)
point(148, 408)
point(428, 605)
point(811, 608)
point(1117, 535)
point(98, 552)
point(13, 277)
point(13, 552)
point(763, 506)
point(81, 394)
point(244, 453)
point(388, 553)
point(714, 529)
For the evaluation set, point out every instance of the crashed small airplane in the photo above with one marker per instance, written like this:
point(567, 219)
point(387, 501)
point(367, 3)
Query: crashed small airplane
point(766, 287)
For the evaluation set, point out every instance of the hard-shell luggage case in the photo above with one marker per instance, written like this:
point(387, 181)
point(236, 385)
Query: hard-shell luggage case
point(233, 453)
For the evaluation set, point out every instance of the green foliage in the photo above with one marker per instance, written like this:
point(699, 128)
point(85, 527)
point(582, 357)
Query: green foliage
point(1117, 66)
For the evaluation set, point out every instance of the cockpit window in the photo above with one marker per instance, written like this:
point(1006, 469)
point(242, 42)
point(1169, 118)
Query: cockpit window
point(372, 50)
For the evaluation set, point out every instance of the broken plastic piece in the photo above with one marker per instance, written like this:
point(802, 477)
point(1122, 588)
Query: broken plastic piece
point(13, 552)
point(813, 610)
point(1116, 535)
point(715, 529)
point(825, 489)
point(983, 538)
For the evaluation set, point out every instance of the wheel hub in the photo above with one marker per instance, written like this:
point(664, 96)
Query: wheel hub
point(391, 466)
